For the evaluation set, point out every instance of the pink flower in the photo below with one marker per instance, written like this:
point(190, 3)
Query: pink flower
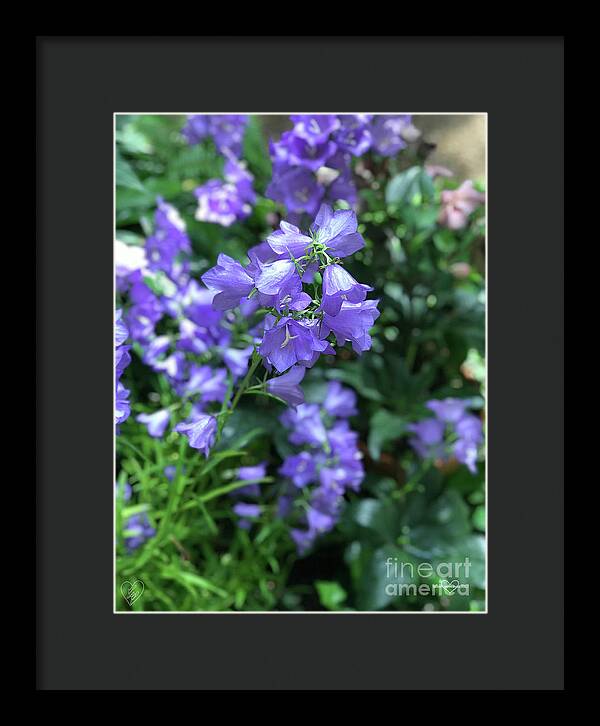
point(457, 205)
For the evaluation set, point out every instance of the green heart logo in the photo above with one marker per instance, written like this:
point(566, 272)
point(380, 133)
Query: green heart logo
point(132, 591)
point(449, 587)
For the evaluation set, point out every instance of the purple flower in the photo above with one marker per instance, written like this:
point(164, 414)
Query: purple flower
point(248, 473)
point(449, 410)
point(156, 422)
point(273, 276)
point(288, 294)
point(354, 136)
point(170, 471)
point(340, 401)
point(470, 434)
point(247, 510)
point(319, 521)
point(340, 286)
point(258, 471)
point(220, 202)
point(307, 425)
point(247, 513)
point(430, 431)
point(465, 452)
point(156, 349)
point(308, 153)
point(288, 240)
point(137, 530)
point(145, 312)
point(297, 189)
point(201, 432)
point(338, 231)
point(196, 128)
point(386, 132)
point(303, 539)
point(125, 489)
point(300, 469)
point(342, 187)
point(209, 383)
point(122, 405)
point(128, 260)
point(237, 360)
point(121, 332)
point(173, 366)
point(344, 441)
point(122, 359)
point(230, 280)
point(287, 343)
point(344, 475)
point(168, 241)
point(352, 324)
point(469, 427)
point(429, 437)
point(286, 386)
point(315, 128)
point(227, 130)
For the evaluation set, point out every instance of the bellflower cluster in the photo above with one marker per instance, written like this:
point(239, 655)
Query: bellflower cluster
point(178, 333)
point(328, 464)
point(137, 530)
point(312, 163)
point(227, 131)
point(452, 431)
point(122, 360)
point(223, 201)
point(304, 319)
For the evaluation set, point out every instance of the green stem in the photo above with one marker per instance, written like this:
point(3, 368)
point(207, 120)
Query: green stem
point(226, 489)
point(244, 384)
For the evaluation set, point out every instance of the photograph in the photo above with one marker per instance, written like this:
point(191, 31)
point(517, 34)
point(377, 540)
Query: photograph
point(300, 363)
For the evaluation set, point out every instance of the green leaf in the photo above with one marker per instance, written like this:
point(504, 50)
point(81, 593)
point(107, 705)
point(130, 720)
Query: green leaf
point(256, 151)
point(381, 516)
point(130, 238)
point(478, 518)
point(331, 594)
point(381, 578)
point(125, 175)
point(133, 141)
point(384, 427)
point(444, 241)
point(412, 184)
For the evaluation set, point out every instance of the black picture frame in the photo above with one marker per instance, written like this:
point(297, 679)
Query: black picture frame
point(81, 82)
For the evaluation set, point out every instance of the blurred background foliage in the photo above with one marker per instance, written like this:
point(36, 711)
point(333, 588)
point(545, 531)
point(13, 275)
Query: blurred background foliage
point(429, 342)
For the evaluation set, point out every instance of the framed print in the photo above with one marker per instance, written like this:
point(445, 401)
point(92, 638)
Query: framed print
point(311, 347)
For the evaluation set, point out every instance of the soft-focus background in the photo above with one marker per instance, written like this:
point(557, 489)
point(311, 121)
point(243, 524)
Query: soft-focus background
point(428, 344)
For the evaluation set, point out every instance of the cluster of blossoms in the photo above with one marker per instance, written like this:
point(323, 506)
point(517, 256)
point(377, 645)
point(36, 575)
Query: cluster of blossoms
point(227, 131)
point(302, 314)
point(312, 163)
point(315, 479)
point(175, 327)
point(452, 431)
point(122, 360)
point(223, 201)
point(330, 461)
point(137, 528)
point(298, 325)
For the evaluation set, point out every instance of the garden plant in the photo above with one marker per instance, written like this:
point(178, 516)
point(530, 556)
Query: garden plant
point(299, 367)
